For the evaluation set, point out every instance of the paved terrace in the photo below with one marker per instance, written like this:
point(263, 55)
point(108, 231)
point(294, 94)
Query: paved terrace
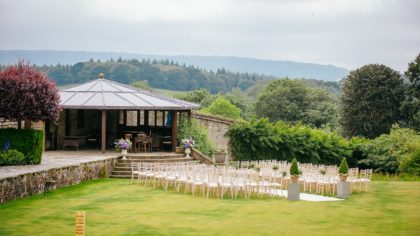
point(56, 159)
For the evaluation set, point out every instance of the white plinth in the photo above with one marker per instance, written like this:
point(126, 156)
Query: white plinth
point(293, 191)
point(343, 189)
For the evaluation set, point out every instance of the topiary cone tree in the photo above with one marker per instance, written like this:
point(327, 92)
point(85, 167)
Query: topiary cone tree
point(294, 171)
point(343, 170)
point(27, 94)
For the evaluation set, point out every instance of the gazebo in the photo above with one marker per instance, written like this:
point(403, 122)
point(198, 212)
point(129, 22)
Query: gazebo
point(100, 111)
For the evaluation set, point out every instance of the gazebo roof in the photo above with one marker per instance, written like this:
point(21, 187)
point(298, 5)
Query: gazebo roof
point(104, 94)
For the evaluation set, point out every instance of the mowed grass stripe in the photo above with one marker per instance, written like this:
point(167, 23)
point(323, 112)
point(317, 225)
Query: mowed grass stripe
point(116, 207)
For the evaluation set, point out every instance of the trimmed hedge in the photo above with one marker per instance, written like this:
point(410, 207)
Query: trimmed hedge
point(260, 140)
point(26, 141)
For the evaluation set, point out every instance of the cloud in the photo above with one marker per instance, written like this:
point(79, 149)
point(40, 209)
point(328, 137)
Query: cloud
point(347, 33)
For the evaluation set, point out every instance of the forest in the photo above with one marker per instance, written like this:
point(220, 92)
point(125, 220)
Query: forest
point(163, 74)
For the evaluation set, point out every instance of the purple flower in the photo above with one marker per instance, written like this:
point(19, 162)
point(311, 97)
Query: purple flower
point(123, 144)
point(6, 145)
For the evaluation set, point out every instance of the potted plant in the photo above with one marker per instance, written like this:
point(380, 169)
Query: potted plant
point(343, 170)
point(275, 168)
point(123, 145)
point(187, 143)
point(322, 171)
point(294, 171)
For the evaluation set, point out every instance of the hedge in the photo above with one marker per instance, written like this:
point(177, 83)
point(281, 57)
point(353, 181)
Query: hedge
point(27, 141)
point(259, 140)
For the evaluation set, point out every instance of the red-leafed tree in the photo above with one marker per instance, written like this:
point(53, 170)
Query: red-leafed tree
point(27, 94)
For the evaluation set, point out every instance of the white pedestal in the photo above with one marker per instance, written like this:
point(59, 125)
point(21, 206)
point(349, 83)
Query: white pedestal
point(343, 189)
point(293, 191)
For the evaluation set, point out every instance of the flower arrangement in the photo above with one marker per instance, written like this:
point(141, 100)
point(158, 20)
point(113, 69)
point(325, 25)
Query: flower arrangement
point(188, 143)
point(123, 144)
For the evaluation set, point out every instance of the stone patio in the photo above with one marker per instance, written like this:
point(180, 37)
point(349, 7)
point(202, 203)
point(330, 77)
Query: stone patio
point(57, 159)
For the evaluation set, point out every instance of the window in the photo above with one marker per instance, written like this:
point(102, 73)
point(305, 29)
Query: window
point(80, 119)
point(159, 118)
point(151, 118)
point(131, 118)
point(141, 117)
point(121, 120)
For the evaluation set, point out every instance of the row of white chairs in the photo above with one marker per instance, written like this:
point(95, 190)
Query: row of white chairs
point(205, 179)
point(315, 178)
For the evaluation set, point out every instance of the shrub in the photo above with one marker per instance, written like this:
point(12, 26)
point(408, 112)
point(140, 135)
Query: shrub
point(223, 107)
point(294, 170)
point(11, 157)
point(191, 129)
point(259, 140)
point(26, 141)
point(385, 153)
point(344, 168)
point(411, 164)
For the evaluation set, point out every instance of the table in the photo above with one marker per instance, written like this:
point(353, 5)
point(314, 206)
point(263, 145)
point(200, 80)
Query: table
point(74, 141)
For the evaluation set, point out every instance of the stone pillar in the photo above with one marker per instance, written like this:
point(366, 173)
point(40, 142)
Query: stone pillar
point(293, 191)
point(343, 189)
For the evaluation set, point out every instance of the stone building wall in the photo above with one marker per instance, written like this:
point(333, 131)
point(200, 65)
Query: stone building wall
point(217, 128)
point(34, 183)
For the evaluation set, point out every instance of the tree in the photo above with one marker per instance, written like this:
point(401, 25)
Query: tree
point(221, 106)
point(240, 100)
point(197, 96)
point(141, 84)
point(322, 110)
point(371, 100)
point(411, 106)
point(27, 94)
point(282, 100)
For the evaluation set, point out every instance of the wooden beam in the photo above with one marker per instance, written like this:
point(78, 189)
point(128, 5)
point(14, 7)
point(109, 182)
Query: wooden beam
point(174, 130)
point(103, 136)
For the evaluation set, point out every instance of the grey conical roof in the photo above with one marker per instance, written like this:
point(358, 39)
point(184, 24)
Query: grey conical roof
point(105, 94)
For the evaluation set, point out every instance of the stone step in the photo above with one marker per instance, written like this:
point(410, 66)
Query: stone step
point(153, 155)
point(177, 159)
point(120, 176)
point(121, 172)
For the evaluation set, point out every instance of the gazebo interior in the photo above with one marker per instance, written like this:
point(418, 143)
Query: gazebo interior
point(99, 112)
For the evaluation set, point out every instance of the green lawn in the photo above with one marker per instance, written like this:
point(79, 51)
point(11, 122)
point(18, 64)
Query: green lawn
point(116, 207)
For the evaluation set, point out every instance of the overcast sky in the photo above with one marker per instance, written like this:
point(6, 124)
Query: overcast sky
point(338, 32)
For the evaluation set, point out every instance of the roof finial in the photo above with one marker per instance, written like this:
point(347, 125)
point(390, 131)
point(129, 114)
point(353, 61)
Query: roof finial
point(101, 76)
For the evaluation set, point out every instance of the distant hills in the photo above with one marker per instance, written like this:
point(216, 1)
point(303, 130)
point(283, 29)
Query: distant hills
point(234, 64)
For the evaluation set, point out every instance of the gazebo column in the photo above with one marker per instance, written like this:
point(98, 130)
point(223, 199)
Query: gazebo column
point(103, 135)
point(174, 130)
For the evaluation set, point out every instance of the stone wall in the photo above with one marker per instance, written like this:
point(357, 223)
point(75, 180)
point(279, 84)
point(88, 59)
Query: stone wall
point(7, 124)
point(217, 127)
point(34, 183)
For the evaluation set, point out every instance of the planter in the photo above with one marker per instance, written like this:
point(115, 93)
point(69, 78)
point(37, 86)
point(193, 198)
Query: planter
point(179, 150)
point(343, 177)
point(124, 153)
point(294, 179)
point(187, 152)
point(220, 157)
